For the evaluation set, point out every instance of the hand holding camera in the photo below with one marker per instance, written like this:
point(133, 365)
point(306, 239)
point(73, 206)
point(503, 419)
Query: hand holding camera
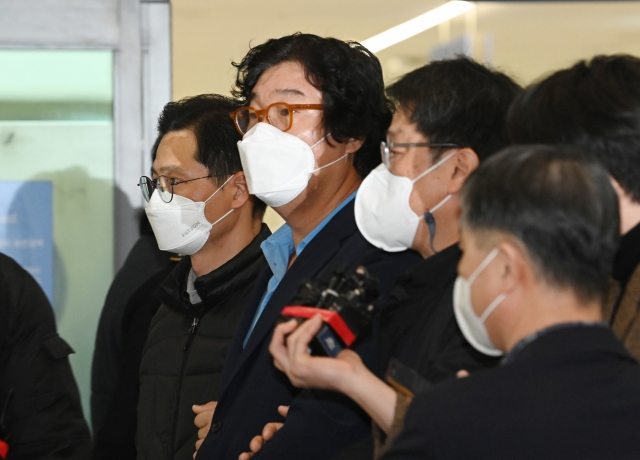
point(345, 304)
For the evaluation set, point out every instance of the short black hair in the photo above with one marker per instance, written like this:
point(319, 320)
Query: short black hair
point(457, 101)
point(557, 201)
point(349, 77)
point(207, 116)
point(594, 106)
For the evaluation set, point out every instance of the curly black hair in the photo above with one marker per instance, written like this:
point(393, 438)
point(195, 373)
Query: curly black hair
point(349, 77)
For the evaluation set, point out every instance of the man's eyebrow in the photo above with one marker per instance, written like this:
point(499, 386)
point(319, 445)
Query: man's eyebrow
point(290, 91)
point(167, 169)
point(393, 132)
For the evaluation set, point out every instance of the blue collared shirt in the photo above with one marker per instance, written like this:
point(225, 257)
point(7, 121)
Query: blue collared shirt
point(278, 248)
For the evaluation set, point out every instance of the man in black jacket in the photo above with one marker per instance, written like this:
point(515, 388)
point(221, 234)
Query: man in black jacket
point(315, 118)
point(199, 206)
point(539, 232)
point(40, 412)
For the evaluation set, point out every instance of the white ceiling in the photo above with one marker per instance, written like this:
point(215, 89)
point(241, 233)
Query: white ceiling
point(529, 39)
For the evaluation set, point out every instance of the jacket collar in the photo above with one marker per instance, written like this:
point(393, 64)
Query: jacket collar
point(568, 339)
point(310, 264)
point(215, 287)
point(437, 270)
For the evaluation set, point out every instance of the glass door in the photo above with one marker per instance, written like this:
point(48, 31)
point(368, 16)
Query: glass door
point(57, 183)
point(81, 87)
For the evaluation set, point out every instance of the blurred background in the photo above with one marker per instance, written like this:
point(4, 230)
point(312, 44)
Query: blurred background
point(82, 83)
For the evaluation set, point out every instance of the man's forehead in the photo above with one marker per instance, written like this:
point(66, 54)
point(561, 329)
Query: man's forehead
point(403, 125)
point(286, 81)
point(176, 153)
point(285, 93)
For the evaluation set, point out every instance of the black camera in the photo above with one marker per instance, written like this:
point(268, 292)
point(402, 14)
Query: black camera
point(346, 306)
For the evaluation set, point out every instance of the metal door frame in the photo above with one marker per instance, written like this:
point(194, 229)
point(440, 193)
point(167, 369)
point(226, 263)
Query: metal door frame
point(139, 34)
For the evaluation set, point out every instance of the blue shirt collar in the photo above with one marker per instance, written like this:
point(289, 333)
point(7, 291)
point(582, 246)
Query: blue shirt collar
point(279, 247)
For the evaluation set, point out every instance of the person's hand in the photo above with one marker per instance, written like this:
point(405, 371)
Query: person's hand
point(290, 350)
point(204, 416)
point(268, 431)
point(462, 374)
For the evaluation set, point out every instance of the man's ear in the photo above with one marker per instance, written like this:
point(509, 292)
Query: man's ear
point(240, 190)
point(466, 161)
point(353, 145)
point(514, 266)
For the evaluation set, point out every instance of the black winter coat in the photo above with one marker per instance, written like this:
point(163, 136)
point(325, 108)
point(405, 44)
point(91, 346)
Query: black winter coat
point(40, 412)
point(144, 262)
point(116, 437)
point(186, 348)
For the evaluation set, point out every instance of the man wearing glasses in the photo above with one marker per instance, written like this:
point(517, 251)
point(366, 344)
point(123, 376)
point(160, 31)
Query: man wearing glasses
point(450, 117)
point(314, 117)
point(198, 206)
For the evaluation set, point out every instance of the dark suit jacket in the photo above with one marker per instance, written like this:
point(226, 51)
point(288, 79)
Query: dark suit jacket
point(320, 423)
point(573, 393)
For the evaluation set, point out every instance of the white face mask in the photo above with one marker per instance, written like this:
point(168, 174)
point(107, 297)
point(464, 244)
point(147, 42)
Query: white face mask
point(383, 214)
point(180, 226)
point(277, 165)
point(472, 325)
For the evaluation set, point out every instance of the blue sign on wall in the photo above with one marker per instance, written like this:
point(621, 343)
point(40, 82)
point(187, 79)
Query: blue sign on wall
point(26, 228)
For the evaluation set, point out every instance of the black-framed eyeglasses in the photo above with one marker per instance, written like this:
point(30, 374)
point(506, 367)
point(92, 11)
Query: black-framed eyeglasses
point(387, 153)
point(163, 184)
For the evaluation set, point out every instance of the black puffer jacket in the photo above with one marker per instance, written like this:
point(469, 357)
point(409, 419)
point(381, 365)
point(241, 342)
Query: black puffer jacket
point(40, 413)
point(186, 348)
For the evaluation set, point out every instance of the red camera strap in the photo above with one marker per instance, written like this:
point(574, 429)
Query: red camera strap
point(332, 318)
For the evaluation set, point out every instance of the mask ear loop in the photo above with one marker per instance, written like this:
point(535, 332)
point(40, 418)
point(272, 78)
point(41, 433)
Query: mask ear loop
point(313, 146)
point(328, 164)
point(435, 166)
point(225, 183)
point(492, 255)
point(431, 221)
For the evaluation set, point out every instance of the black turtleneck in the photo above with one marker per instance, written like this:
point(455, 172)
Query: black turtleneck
point(628, 256)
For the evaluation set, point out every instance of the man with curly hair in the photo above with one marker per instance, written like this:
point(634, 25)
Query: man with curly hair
point(314, 116)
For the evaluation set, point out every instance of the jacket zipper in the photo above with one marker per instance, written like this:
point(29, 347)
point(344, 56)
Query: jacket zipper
point(191, 334)
point(192, 331)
